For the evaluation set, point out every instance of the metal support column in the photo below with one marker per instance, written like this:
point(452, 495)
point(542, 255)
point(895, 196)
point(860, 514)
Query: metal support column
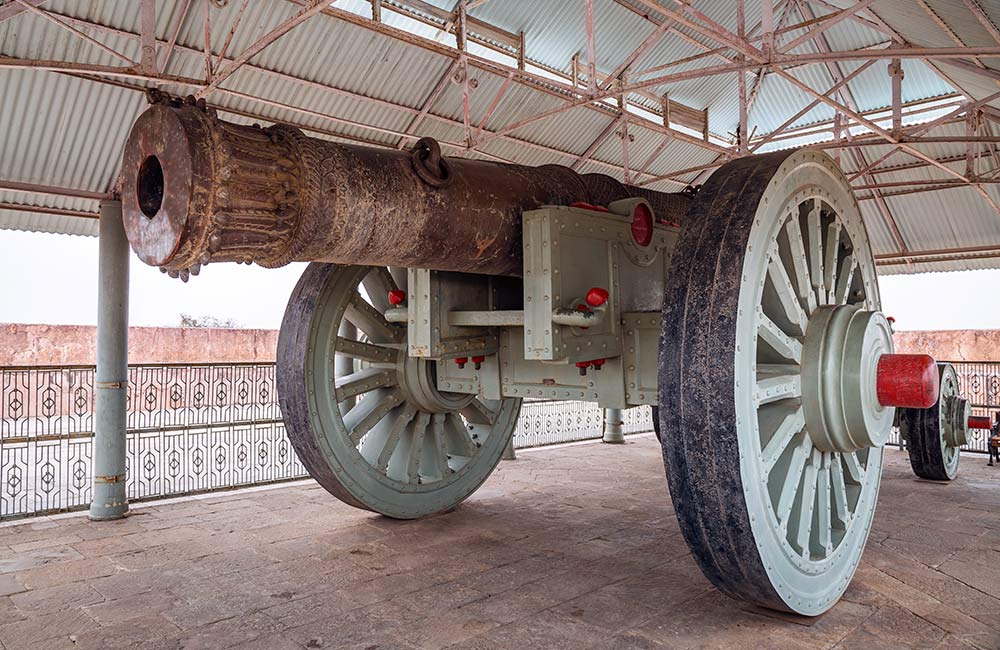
point(111, 379)
point(613, 426)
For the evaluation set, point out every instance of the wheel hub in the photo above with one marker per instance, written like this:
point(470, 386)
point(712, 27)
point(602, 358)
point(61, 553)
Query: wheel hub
point(957, 412)
point(840, 368)
point(418, 381)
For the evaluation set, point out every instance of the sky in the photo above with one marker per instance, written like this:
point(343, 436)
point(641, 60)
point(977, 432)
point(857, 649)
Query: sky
point(53, 279)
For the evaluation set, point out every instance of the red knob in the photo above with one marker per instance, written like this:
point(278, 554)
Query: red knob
point(396, 297)
point(980, 422)
point(597, 297)
point(583, 365)
point(478, 359)
point(907, 381)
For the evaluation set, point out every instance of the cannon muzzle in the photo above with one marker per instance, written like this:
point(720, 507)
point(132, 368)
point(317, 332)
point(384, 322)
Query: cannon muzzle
point(197, 189)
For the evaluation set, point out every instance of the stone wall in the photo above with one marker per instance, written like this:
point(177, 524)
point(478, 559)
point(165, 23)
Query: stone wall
point(951, 345)
point(36, 345)
point(30, 345)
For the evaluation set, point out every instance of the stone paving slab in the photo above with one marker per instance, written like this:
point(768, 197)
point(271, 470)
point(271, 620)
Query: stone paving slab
point(571, 547)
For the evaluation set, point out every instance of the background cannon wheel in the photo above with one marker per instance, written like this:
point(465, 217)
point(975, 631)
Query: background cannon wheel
point(366, 419)
point(774, 500)
point(934, 435)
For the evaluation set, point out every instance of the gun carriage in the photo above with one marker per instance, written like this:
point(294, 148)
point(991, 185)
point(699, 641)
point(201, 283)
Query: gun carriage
point(443, 291)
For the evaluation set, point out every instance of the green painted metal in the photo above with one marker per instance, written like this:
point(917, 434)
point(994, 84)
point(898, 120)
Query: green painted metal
point(111, 379)
point(772, 247)
point(613, 432)
point(384, 438)
point(810, 510)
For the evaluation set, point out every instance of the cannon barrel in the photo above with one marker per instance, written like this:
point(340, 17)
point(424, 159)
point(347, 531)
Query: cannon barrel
point(197, 189)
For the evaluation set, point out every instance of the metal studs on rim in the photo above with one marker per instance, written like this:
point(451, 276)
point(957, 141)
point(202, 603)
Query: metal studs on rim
point(366, 419)
point(775, 511)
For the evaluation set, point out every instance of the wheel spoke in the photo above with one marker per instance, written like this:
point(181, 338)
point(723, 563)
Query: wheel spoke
point(806, 503)
point(419, 427)
point(854, 469)
point(365, 351)
point(363, 381)
point(790, 426)
point(772, 389)
point(378, 283)
point(786, 294)
point(479, 413)
point(830, 265)
point(464, 445)
point(825, 532)
point(440, 444)
point(815, 224)
point(792, 480)
point(783, 344)
point(371, 321)
point(845, 277)
point(393, 436)
point(841, 514)
point(799, 262)
point(369, 412)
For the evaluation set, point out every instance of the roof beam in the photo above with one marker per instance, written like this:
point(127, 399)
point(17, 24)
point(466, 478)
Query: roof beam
point(598, 141)
point(173, 38)
point(47, 16)
point(38, 209)
point(983, 19)
point(522, 77)
point(588, 12)
point(429, 102)
point(808, 107)
point(650, 41)
point(828, 22)
point(314, 7)
point(52, 190)
point(945, 27)
point(941, 254)
point(84, 72)
point(12, 8)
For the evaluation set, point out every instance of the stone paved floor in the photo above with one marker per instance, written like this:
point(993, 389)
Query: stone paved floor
point(572, 547)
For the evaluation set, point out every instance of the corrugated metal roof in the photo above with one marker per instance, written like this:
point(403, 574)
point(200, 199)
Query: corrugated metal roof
point(64, 131)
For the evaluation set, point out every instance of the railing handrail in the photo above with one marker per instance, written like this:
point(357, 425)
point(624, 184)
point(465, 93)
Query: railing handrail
point(209, 364)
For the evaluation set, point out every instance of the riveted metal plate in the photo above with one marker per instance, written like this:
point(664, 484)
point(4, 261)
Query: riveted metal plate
point(567, 251)
point(641, 333)
point(432, 295)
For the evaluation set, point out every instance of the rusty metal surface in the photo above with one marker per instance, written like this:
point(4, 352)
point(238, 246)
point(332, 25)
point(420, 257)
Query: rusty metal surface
point(231, 193)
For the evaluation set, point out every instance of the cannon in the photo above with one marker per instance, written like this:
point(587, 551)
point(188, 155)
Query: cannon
point(444, 291)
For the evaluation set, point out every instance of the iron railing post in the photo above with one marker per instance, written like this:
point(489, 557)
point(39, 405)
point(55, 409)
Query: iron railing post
point(111, 378)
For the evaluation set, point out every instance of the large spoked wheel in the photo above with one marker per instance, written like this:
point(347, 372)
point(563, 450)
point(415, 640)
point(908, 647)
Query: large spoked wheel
point(772, 432)
point(366, 419)
point(934, 435)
